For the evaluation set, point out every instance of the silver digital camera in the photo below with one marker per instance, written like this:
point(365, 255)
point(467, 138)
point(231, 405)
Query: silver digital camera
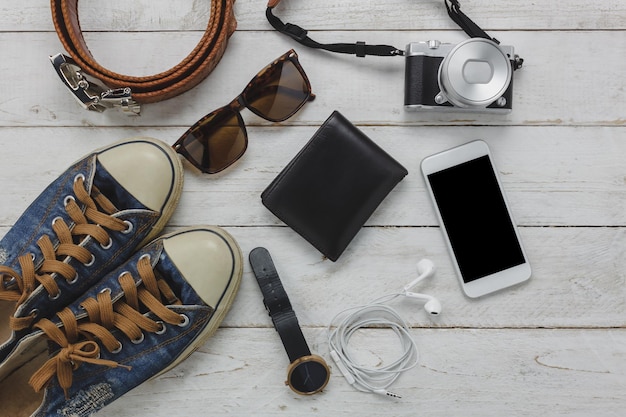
point(474, 75)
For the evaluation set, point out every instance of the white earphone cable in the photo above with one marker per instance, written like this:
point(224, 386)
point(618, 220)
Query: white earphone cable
point(373, 315)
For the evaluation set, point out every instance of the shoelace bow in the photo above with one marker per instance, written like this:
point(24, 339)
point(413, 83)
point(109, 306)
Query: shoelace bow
point(90, 222)
point(80, 339)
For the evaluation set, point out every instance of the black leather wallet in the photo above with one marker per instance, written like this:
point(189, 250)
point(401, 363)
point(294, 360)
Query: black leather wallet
point(333, 185)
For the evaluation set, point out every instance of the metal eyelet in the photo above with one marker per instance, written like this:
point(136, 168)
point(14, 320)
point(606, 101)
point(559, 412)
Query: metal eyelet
point(73, 280)
point(107, 289)
point(185, 321)
point(107, 245)
point(34, 313)
point(163, 328)
point(138, 341)
point(129, 228)
point(118, 349)
point(67, 200)
point(32, 257)
point(54, 297)
point(91, 261)
point(56, 219)
point(144, 256)
point(79, 176)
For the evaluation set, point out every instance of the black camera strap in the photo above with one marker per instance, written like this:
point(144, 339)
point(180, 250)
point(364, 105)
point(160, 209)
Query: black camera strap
point(300, 34)
point(464, 22)
point(361, 49)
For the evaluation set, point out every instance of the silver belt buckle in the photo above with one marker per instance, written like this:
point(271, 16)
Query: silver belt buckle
point(89, 92)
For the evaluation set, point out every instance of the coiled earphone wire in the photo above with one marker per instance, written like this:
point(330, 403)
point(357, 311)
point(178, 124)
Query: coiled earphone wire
point(376, 314)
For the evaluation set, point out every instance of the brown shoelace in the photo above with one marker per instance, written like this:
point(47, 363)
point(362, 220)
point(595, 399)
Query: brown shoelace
point(92, 222)
point(77, 337)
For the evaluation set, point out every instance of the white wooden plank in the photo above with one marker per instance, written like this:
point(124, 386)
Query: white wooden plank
point(367, 15)
point(428, 15)
point(553, 176)
point(547, 91)
point(578, 279)
point(461, 372)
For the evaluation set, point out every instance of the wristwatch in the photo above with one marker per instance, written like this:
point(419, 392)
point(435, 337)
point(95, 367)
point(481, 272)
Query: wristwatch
point(307, 373)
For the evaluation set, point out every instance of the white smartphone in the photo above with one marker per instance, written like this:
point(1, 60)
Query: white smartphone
point(475, 219)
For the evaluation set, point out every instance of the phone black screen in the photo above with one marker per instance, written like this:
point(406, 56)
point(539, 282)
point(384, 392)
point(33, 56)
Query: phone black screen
point(476, 218)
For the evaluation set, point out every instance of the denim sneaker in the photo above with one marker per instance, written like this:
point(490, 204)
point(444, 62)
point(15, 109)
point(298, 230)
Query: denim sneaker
point(138, 322)
point(84, 224)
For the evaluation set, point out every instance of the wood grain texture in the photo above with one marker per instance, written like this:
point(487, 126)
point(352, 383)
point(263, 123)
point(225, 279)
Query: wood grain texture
point(461, 372)
point(327, 15)
point(554, 176)
point(554, 346)
point(584, 86)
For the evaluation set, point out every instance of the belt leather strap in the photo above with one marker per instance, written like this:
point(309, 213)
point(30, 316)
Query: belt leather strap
point(149, 89)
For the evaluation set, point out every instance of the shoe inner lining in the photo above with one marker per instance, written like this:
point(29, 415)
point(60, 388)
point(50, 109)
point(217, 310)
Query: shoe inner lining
point(7, 308)
point(17, 397)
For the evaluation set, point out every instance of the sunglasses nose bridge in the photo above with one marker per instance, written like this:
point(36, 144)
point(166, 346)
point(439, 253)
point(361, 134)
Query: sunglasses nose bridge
point(237, 104)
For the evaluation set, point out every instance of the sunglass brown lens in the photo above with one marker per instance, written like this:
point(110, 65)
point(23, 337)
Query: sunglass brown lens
point(217, 141)
point(279, 92)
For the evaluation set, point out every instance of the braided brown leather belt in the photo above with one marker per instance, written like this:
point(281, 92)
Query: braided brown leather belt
point(97, 88)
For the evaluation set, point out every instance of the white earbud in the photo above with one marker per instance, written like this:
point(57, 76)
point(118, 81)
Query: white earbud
point(425, 269)
point(432, 306)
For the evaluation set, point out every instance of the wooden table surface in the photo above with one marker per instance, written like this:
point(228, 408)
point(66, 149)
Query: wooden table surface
point(555, 346)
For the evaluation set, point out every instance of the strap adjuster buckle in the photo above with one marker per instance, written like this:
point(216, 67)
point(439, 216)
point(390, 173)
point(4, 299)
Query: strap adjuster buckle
point(295, 31)
point(90, 93)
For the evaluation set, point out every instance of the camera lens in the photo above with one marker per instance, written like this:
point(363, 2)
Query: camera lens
point(475, 73)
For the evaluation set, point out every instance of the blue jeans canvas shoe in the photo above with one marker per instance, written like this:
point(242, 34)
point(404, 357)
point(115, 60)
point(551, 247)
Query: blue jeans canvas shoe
point(84, 224)
point(140, 321)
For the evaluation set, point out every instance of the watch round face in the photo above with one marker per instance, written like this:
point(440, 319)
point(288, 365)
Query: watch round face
point(308, 375)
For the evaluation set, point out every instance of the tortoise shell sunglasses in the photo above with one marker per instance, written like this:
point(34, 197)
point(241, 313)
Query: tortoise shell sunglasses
point(219, 139)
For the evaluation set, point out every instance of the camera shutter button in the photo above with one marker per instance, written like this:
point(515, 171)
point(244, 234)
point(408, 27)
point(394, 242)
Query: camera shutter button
point(434, 44)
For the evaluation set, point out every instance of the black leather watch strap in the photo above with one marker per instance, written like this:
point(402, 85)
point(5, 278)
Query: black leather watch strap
point(277, 304)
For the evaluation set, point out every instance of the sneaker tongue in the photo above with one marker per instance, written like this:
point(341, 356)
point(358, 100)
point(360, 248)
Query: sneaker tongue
point(117, 195)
